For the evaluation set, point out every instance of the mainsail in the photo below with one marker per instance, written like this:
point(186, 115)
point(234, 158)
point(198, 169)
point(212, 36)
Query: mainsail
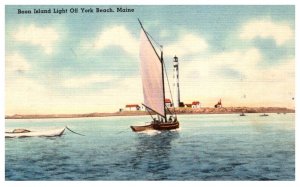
point(151, 71)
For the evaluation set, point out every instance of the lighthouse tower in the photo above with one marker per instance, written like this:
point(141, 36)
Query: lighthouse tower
point(176, 82)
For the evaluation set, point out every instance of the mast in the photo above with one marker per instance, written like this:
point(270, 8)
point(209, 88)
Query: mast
point(163, 82)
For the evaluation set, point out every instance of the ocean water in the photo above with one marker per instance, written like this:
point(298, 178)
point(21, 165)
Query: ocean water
point(206, 147)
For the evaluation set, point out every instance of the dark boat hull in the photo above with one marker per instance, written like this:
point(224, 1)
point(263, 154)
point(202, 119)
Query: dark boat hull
point(160, 126)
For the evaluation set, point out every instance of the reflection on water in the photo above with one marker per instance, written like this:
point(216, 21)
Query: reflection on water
point(153, 153)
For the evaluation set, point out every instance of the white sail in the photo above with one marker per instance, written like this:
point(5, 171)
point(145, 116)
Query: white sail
point(151, 70)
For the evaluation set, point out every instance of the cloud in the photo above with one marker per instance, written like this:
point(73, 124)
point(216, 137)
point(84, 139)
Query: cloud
point(242, 61)
point(45, 37)
point(16, 63)
point(24, 95)
point(205, 76)
point(87, 80)
point(232, 74)
point(280, 32)
point(124, 91)
point(117, 36)
point(164, 33)
point(28, 96)
point(187, 44)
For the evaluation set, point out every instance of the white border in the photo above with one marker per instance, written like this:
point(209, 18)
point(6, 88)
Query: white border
point(139, 2)
point(152, 2)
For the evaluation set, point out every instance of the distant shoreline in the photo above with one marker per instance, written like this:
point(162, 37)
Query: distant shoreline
point(223, 110)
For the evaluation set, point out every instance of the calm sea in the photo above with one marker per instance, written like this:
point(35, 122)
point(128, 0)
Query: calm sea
point(206, 147)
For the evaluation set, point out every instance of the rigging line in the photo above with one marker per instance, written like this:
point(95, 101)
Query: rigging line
point(160, 46)
point(150, 109)
point(149, 113)
point(74, 131)
point(168, 109)
point(122, 131)
point(169, 87)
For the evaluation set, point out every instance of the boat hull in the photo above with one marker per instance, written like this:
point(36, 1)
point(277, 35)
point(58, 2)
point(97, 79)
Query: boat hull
point(48, 133)
point(160, 126)
point(264, 115)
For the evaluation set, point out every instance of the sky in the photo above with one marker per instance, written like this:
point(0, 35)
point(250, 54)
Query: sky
point(89, 62)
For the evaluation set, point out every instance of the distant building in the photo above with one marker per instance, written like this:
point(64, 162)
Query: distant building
point(188, 105)
point(219, 104)
point(196, 104)
point(168, 103)
point(132, 107)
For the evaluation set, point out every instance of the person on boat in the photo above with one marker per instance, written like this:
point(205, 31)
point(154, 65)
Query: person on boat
point(170, 119)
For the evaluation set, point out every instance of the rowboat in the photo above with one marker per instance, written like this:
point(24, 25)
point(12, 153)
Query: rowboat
point(20, 133)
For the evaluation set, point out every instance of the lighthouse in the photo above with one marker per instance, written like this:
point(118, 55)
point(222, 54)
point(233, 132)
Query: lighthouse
point(176, 82)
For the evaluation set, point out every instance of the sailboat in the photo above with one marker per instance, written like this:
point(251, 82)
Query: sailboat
point(242, 114)
point(152, 72)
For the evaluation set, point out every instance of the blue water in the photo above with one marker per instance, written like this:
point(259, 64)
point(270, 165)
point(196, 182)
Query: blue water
point(206, 147)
